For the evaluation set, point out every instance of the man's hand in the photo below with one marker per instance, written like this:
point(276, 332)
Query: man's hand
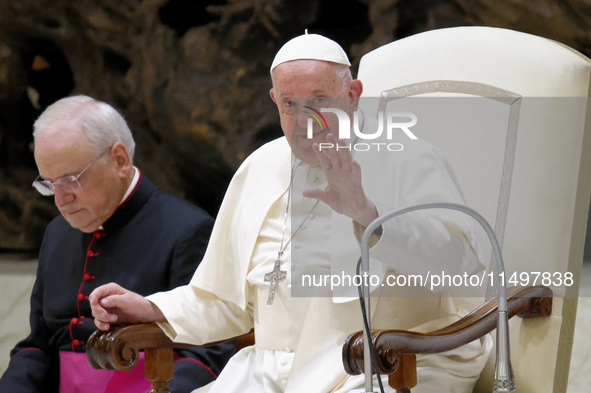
point(345, 192)
point(112, 304)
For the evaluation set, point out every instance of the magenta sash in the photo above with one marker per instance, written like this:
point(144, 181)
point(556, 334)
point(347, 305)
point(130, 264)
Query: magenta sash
point(76, 376)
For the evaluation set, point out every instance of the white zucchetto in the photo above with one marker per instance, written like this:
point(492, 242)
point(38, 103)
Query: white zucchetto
point(310, 47)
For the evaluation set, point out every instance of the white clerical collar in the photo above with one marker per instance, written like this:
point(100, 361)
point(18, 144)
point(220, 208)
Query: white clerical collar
point(134, 181)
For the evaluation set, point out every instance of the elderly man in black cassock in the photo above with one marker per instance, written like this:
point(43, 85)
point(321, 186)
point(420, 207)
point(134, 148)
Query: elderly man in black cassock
point(114, 226)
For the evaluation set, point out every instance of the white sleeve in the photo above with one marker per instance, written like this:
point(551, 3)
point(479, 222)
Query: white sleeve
point(433, 240)
point(197, 317)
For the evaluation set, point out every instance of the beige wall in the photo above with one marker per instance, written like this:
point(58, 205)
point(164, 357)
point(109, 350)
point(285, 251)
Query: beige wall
point(16, 283)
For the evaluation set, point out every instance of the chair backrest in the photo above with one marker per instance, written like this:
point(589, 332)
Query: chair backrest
point(508, 110)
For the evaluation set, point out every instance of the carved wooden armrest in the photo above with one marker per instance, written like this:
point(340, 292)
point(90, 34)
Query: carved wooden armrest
point(396, 350)
point(119, 348)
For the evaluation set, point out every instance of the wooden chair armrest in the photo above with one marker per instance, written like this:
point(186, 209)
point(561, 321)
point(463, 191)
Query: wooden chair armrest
point(392, 345)
point(119, 348)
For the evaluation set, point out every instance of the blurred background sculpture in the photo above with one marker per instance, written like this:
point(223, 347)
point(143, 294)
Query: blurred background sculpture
point(192, 79)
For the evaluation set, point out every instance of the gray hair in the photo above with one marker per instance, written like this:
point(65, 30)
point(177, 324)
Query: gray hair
point(344, 74)
point(99, 121)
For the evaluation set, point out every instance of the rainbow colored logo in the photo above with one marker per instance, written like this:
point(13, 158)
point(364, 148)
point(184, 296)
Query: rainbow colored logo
point(317, 116)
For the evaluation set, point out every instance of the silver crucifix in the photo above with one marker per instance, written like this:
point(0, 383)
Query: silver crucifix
point(274, 277)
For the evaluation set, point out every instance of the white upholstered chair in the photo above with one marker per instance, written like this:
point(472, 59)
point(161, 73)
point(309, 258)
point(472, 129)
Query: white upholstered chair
point(521, 154)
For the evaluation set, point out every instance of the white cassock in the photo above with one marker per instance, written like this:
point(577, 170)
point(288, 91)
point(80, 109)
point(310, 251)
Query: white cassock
point(299, 339)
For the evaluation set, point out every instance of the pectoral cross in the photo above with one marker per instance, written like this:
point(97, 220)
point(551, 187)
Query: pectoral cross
point(274, 277)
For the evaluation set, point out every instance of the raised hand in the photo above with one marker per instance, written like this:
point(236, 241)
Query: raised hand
point(344, 193)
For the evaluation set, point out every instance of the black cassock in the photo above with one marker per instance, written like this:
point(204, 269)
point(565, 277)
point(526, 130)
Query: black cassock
point(153, 242)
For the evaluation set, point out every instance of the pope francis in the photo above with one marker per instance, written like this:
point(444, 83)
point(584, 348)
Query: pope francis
point(295, 209)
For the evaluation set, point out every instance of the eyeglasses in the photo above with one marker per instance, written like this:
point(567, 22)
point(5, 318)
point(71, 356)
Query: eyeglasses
point(66, 183)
